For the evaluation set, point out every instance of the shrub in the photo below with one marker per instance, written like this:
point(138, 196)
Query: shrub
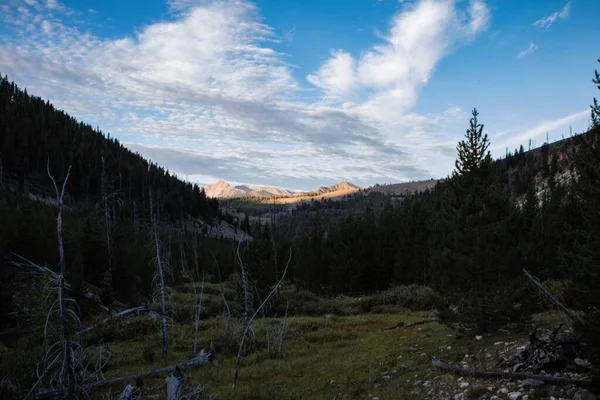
point(413, 297)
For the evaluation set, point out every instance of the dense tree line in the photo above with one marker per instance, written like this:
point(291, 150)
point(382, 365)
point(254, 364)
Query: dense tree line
point(35, 133)
point(107, 217)
point(471, 235)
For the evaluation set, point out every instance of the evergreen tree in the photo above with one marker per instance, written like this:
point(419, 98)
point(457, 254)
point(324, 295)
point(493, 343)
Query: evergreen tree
point(475, 216)
point(582, 257)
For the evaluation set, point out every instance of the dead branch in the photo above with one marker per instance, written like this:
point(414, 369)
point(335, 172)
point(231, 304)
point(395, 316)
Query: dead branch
point(401, 325)
point(437, 363)
point(34, 269)
point(553, 299)
point(134, 310)
point(200, 359)
point(247, 327)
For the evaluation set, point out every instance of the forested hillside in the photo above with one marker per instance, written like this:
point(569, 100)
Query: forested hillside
point(471, 236)
point(108, 199)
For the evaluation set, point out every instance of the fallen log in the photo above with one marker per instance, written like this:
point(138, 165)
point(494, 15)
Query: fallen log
point(437, 363)
point(553, 299)
point(401, 324)
point(127, 394)
point(134, 310)
point(200, 359)
point(173, 387)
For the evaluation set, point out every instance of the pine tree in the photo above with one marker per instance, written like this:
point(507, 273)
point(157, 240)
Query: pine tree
point(474, 222)
point(595, 112)
point(583, 257)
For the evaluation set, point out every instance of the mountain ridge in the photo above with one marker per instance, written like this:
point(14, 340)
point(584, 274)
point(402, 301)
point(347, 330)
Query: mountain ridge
point(223, 189)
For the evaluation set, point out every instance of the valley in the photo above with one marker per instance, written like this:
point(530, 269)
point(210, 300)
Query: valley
point(444, 245)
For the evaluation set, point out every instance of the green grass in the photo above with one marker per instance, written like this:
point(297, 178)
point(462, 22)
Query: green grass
point(346, 353)
point(349, 355)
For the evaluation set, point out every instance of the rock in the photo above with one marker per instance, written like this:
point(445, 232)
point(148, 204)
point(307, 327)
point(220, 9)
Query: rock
point(585, 395)
point(514, 395)
point(581, 362)
point(494, 398)
point(464, 385)
point(532, 383)
point(502, 390)
point(478, 337)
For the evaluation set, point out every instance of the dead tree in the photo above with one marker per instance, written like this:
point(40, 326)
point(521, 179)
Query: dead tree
point(249, 313)
point(161, 290)
point(67, 377)
point(553, 299)
point(226, 308)
point(110, 199)
point(197, 316)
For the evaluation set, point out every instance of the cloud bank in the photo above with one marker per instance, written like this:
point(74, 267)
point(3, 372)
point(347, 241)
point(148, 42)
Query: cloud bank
point(205, 93)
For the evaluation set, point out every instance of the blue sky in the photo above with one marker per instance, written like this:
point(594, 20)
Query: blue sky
point(304, 93)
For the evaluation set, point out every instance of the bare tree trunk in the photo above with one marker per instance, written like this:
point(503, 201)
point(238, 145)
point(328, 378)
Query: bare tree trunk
point(198, 311)
point(107, 220)
point(227, 310)
point(108, 229)
point(160, 270)
point(173, 387)
point(554, 300)
point(247, 329)
point(68, 376)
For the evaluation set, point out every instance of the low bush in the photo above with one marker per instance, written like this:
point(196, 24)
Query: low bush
point(412, 297)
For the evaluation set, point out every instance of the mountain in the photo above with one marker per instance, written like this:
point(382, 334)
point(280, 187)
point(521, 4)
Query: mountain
point(222, 189)
point(342, 186)
point(403, 189)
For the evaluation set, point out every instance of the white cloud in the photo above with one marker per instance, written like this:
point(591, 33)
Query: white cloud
point(546, 22)
point(538, 132)
point(208, 82)
point(530, 49)
point(390, 74)
point(337, 75)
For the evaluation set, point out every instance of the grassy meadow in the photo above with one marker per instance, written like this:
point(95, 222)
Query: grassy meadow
point(333, 347)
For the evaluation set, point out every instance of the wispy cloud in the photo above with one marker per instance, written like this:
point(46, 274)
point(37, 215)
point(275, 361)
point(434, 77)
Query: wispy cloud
point(530, 49)
point(547, 21)
point(207, 87)
point(553, 127)
point(289, 35)
point(388, 75)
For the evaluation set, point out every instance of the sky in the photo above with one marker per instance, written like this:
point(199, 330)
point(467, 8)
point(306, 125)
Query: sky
point(303, 93)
